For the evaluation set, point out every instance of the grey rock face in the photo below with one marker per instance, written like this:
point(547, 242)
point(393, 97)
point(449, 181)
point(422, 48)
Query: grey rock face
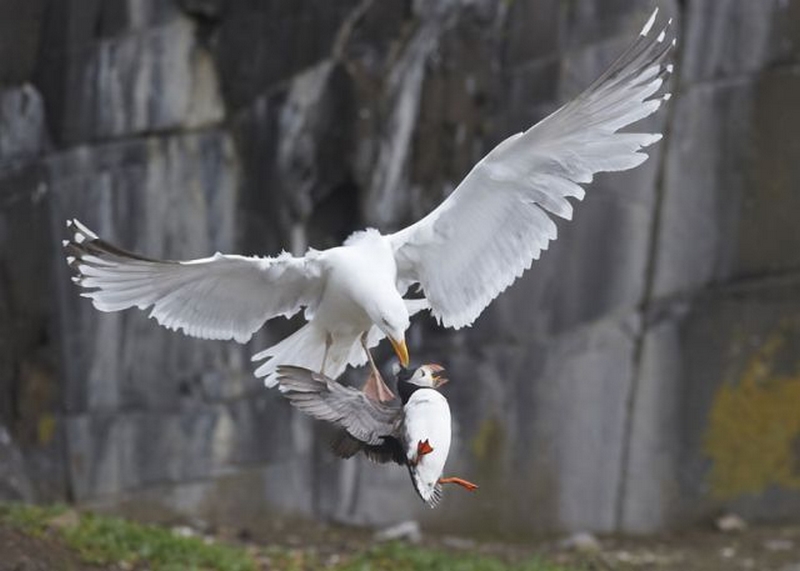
point(737, 37)
point(15, 483)
point(23, 132)
point(172, 197)
point(751, 335)
point(742, 127)
point(118, 453)
point(19, 39)
point(263, 43)
point(597, 393)
point(648, 492)
point(31, 446)
point(151, 75)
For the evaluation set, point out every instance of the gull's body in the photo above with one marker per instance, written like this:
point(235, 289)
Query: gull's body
point(342, 309)
point(462, 255)
point(358, 298)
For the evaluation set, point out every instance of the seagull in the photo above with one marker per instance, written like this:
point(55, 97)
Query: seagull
point(460, 256)
point(415, 434)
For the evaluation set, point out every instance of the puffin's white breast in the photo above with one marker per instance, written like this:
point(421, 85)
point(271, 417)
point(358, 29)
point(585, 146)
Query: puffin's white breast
point(427, 417)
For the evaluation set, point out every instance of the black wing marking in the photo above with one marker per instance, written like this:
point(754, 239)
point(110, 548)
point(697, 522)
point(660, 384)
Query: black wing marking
point(436, 496)
point(345, 446)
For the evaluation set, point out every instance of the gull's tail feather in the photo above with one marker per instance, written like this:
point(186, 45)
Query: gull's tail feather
point(305, 348)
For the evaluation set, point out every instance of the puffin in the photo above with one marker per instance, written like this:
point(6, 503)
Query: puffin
point(415, 433)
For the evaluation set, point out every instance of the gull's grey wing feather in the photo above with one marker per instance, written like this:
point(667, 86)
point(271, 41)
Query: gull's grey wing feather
point(491, 228)
point(364, 419)
point(221, 297)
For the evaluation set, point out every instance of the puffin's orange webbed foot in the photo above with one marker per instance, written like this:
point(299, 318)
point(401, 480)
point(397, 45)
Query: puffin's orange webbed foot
point(424, 447)
point(461, 482)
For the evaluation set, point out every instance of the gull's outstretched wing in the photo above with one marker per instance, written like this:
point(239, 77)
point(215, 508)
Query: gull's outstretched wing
point(491, 228)
point(221, 297)
point(369, 422)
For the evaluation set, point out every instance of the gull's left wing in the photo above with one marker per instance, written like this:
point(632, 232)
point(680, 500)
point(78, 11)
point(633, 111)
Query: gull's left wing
point(221, 297)
point(491, 228)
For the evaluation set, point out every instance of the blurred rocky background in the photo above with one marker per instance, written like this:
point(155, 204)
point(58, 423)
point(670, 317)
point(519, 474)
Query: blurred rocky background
point(644, 375)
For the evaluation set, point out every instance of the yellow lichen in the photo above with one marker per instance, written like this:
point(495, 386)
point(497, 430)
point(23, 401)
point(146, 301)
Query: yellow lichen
point(488, 446)
point(754, 428)
point(46, 428)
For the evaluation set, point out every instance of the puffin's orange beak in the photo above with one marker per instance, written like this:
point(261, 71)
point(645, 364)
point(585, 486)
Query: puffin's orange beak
point(401, 350)
point(438, 373)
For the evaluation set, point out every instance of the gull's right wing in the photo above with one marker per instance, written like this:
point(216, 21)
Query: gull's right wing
point(496, 222)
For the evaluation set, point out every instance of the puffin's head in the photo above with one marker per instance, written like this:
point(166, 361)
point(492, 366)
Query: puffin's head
point(392, 318)
point(428, 376)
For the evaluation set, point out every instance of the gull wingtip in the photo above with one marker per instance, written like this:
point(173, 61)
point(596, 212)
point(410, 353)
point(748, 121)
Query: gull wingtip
point(649, 25)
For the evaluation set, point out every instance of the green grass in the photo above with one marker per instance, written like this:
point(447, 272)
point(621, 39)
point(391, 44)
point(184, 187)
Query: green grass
point(33, 520)
point(403, 557)
point(106, 540)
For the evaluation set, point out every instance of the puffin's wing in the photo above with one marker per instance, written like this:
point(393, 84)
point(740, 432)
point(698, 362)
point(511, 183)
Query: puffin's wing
point(323, 398)
point(390, 450)
point(221, 297)
point(490, 229)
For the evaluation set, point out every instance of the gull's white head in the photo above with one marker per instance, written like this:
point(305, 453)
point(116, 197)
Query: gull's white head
point(391, 317)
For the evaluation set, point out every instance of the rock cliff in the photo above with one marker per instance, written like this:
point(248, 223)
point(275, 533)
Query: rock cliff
point(642, 375)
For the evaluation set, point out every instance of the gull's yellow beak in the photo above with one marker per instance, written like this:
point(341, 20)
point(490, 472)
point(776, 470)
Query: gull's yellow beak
point(401, 350)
